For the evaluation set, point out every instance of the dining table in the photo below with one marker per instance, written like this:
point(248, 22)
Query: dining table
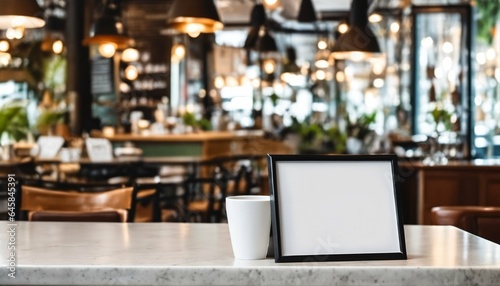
point(70, 253)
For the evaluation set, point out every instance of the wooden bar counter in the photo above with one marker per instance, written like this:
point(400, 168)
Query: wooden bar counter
point(456, 183)
point(205, 144)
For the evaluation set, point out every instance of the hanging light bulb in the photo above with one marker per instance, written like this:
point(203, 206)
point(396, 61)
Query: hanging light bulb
point(269, 66)
point(15, 33)
point(322, 44)
point(130, 55)
point(194, 29)
point(194, 17)
point(131, 72)
point(107, 50)
point(394, 27)
point(57, 47)
point(5, 58)
point(375, 18)
point(4, 46)
point(271, 4)
point(178, 53)
point(343, 27)
point(219, 82)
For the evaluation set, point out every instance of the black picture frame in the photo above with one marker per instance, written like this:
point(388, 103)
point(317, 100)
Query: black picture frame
point(335, 208)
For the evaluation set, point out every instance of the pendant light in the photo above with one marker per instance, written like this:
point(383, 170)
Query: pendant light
point(266, 42)
point(17, 15)
point(107, 31)
point(359, 42)
point(258, 19)
point(307, 13)
point(25, 13)
point(194, 17)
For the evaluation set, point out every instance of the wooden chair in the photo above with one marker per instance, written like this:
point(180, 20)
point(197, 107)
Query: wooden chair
point(220, 176)
point(45, 204)
point(479, 220)
point(157, 201)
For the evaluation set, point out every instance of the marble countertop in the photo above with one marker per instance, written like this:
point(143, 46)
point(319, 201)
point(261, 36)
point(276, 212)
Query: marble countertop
point(53, 253)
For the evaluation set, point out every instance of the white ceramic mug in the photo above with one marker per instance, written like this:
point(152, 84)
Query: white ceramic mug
point(249, 220)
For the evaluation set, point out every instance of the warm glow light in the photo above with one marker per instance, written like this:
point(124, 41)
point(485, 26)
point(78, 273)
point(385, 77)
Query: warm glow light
point(130, 55)
point(343, 28)
point(18, 21)
point(357, 56)
point(491, 54)
point(255, 82)
point(194, 29)
point(231, 81)
point(320, 74)
point(143, 123)
point(57, 47)
point(178, 52)
point(107, 50)
point(269, 66)
point(14, 33)
point(321, 64)
point(375, 18)
point(394, 27)
point(447, 47)
point(131, 72)
point(271, 4)
point(4, 46)
point(4, 59)
point(340, 76)
point(427, 42)
point(219, 82)
point(322, 44)
point(378, 69)
point(125, 88)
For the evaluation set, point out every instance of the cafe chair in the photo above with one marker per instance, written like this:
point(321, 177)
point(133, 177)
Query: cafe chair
point(479, 220)
point(157, 201)
point(46, 204)
point(203, 200)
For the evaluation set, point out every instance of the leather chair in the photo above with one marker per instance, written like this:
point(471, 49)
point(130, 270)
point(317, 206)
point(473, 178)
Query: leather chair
point(479, 220)
point(45, 204)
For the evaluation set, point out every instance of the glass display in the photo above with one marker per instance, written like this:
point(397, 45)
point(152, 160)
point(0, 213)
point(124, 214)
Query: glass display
point(441, 78)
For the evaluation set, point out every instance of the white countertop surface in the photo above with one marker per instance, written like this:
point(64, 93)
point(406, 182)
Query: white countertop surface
point(53, 253)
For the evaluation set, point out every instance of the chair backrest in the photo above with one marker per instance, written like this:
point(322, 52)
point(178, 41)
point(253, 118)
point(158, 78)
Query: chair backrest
point(121, 200)
point(90, 216)
point(479, 220)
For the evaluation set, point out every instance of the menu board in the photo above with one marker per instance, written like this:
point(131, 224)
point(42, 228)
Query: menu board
point(102, 76)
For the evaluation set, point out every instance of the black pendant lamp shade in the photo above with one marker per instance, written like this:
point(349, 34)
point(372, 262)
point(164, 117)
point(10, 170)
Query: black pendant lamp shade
point(20, 13)
point(194, 16)
point(291, 57)
point(266, 43)
point(258, 19)
point(252, 37)
point(359, 41)
point(258, 16)
point(108, 29)
point(307, 13)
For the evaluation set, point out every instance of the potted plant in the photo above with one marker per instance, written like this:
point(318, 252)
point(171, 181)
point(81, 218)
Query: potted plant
point(14, 125)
